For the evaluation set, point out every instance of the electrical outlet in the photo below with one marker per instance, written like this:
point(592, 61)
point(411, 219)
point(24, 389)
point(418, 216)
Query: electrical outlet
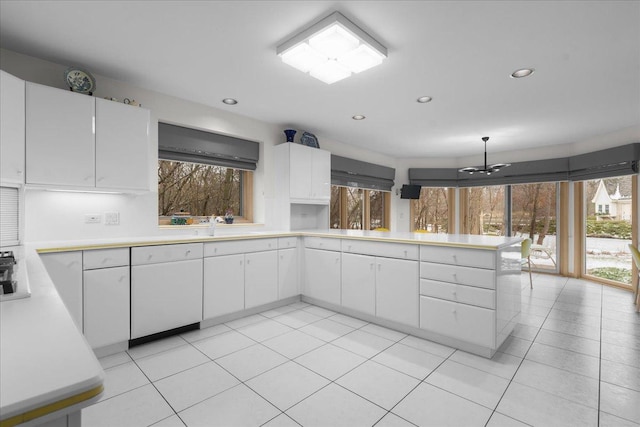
point(112, 218)
point(92, 218)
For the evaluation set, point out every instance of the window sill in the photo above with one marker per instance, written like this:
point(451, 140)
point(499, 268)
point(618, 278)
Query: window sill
point(206, 226)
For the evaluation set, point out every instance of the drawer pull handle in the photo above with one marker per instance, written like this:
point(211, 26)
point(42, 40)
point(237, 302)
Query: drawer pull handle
point(406, 254)
point(371, 265)
point(453, 311)
point(454, 293)
point(105, 260)
point(248, 261)
point(121, 279)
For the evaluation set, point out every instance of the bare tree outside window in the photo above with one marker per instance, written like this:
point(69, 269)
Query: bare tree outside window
point(198, 189)
point(355, 208)
point(376, 209)
point(431, 210)
point(485, 210)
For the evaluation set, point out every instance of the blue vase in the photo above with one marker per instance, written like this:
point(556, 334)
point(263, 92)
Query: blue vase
point(290, 133)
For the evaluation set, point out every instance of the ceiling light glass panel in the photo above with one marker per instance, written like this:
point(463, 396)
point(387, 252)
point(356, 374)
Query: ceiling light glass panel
point(360, 59)
point(330, 72)
point(303, 57)
point(334, 42)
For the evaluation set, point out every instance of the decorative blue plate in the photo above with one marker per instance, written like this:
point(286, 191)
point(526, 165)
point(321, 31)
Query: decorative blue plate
point(79, 80)
point(309, 140)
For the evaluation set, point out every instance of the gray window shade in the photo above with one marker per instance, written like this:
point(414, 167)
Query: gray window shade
point(9, 216)
point(615, 161)
point(190, 145)
point(605, 163)
point(433, 177)
point(548, 170)
point(355, 173)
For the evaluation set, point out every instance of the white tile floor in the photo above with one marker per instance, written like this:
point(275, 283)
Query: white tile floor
point(574, 360)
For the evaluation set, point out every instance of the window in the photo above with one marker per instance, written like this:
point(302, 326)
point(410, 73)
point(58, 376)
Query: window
point(607, 237)
point(483, 210)
point(533, 215)
point(193, 192)
point(431, 211)
point(359, 209)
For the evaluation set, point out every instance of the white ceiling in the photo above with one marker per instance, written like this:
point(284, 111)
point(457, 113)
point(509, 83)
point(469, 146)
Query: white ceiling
point(586, 55)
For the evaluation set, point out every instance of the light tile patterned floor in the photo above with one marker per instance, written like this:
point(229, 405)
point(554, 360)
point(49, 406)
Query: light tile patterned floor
point(574, 360)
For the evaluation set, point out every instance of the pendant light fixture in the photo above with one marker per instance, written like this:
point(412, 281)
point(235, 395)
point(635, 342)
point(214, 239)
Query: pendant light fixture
point(487, 169)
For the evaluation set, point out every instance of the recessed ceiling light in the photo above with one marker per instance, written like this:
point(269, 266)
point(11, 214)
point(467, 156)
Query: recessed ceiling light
point(424, 99)
point(230, 101)
point(523, 72)
point(358, 117)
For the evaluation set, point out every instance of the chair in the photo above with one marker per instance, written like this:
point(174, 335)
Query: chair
point(636, 258)
point(526, 257)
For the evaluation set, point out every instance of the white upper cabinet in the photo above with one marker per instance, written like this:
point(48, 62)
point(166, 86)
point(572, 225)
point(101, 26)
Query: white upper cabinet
point(309, 174)
point(75, 140)
point(59, 137)
point(122, 146)
point(11, 128)
point(310, 177)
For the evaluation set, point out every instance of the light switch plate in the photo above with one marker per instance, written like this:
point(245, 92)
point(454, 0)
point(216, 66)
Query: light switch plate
point(112, 218)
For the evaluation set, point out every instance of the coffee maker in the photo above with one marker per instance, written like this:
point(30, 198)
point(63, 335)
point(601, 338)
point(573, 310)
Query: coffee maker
point(7, 282)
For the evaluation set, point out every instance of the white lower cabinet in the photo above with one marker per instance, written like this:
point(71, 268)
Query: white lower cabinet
point(397, 290)
point(322, 275)
point(359, 283)
point(223, 290)
point(383, 287)
point(459, 321)
point(288, 273)
point(106, 306)
point(260, 278)
point(237, 277)
point(65, 270)
point(166, 288)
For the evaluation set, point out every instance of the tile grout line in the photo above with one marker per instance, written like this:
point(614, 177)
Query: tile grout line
point(523, 359)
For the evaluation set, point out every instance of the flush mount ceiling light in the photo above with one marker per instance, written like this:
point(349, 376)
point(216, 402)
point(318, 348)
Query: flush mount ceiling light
point(332, 49)
point(424, 99)
point(523, 72)
point(230, 101)
point(487, 169)
point(359, 117)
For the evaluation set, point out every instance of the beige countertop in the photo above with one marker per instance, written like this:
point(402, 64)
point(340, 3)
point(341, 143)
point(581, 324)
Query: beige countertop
point(451, 240)
point(46, 365)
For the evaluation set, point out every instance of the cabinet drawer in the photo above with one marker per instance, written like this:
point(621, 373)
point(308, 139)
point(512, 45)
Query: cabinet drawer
point(103, 258)
point(458, 256)
point(461, 275)
point(328, 244)
point(458, 293)
point(239, 247)
point(165, 253)
point(382, 249)
point(460, 321)
point(287, 242)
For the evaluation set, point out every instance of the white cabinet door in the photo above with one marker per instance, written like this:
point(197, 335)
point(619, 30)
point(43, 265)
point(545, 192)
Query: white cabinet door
point(65, 270)
point(260, 278)
point(322, 275)
point(300, 172)
point(320, 175)
point(223, 285)
point(60, 143)
point(397, 290)
point(359, 283)
point(106, 306)
point(165, 296)
point(287, 273)
point(122, 146)
point(11, 128)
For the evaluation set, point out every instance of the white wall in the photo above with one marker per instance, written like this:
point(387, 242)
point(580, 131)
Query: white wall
point(55, 216)
point(60, 215)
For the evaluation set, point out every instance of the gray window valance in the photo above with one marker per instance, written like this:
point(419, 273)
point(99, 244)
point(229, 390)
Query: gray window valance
point(190, 145)
point(356, 173)
point(615, 161)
